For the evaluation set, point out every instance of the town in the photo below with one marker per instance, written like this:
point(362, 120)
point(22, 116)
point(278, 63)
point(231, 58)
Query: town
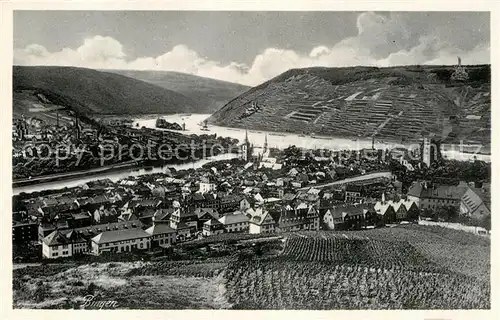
point(259, 193)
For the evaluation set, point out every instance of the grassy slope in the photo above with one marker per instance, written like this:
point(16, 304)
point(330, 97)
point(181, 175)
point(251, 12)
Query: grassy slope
point(209, 94)
point(94, 92)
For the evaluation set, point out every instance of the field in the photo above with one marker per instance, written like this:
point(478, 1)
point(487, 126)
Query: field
point(137, 285)
point(268, 284)
point(359, 252)
point(409, 267)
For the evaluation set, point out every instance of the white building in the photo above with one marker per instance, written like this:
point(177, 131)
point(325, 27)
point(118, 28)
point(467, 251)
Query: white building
point(212, 227)
point(121, 241)
point(261, 222)
point(207, 186)
point(63, 244)
point(161, 235)
point(236, 222)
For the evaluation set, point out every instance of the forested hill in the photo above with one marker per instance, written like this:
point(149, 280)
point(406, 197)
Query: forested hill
point(96, 92)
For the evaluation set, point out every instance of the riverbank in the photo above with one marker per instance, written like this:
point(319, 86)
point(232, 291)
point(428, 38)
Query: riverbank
point(115, 175)
point(75, 174)
point(368, 176)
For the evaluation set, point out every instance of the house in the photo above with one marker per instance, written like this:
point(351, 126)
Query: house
point(334, 219)
point(24, 232)
point(212, 227)
point(348, 217)
point(302, 217)
point(385, 211)
point(184, 231)
point(436, 196)
point(235, 222)
point(261, 222)
point(91, 231)
point(207, 186)
point(229, 203)
point(353, 193)
point(120, 241)
point(162, 215)
point(186, 217)
point(63, 243)
point(247, 203)
point(78, 220)
point(400, 210)
point(161, 235)
point(44, 229)
point(475, 203)
point(205, 214)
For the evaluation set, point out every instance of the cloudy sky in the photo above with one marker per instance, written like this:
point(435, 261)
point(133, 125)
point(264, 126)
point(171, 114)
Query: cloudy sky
point(247, 47)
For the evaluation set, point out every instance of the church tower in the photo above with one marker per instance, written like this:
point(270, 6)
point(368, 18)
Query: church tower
point(265, 145)
point(246, 148)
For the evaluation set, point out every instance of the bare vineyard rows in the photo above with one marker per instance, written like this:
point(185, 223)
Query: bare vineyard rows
point(278, 284)
point(366, 252)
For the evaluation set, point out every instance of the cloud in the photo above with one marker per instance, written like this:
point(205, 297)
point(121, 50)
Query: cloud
point(380, 41)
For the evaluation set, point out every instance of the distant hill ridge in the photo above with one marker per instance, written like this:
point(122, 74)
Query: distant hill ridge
point(92, 92)
point(208, 94)
point(391, 103)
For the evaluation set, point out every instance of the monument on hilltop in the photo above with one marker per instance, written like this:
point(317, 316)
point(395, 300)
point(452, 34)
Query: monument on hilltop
point(460, 74)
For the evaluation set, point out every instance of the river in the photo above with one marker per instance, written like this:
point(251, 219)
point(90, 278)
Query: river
point(284, 140)
point(274, 139)
point(115, 176)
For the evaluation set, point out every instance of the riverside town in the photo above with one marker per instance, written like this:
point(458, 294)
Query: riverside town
point(317, 188)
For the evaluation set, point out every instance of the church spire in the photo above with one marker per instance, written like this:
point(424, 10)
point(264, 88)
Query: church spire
point(265, 144)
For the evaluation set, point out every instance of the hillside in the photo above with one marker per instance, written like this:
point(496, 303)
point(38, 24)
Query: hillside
point(209, 94)
point(397, 103)
point(94, 92)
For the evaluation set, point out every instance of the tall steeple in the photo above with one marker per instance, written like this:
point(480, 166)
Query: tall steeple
point(247, 149)
point(265, 144)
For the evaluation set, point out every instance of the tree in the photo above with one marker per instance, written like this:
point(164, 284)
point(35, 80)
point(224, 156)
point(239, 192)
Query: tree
point(427, 213)
point(486, 222)
point(447, 214)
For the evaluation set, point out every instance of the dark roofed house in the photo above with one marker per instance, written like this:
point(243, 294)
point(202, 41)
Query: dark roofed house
point(353, 193)
point(92, 231)
point(183, 216)
point(205, 214)
point(229, 203)
point(302, 217)
point(212, 227)
point(63, 243)
point(434, 196)
point(24, 232)
point(78, 220)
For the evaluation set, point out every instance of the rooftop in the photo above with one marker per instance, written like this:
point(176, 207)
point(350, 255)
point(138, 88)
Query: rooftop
point(120, 235)
point(233, 218)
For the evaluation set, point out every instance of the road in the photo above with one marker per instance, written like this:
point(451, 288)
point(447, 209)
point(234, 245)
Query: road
point(352, 179)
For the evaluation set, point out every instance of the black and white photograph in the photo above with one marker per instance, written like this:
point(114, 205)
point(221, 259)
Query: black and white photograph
point(251, 160)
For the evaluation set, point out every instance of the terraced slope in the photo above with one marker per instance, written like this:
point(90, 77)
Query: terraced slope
point(390, 103)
